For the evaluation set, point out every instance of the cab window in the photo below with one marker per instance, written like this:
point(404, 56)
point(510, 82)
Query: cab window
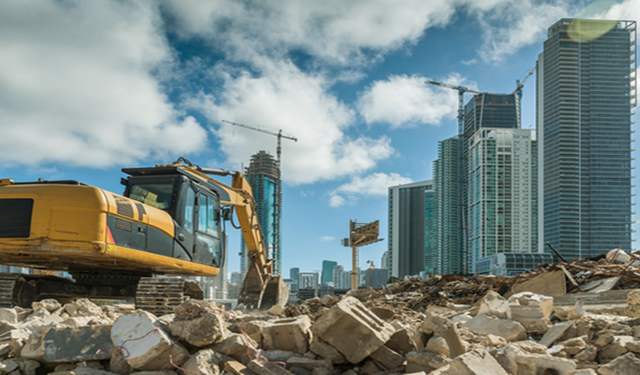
point(208, 215)
point(154, 195)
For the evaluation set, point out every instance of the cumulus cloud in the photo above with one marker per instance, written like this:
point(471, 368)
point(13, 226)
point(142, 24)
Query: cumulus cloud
point(375, 184)
point(406, 101)
point(297, 103)
point(334, 31)
point(509, 26)
point(77, 85)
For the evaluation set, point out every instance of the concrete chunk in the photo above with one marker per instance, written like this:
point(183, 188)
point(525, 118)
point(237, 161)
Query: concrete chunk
point(326, 351)
point(262, 368)
point(554, 333)
point(494, 304)
point(200, 330)
point(49, 304)
point(543, 364)
point(484, 324)
point(88, 343)
point(405, 339)
point(8, 316)
point(201, 364)
point(532, 318)
point(309, 364)
point(387, 357)
point(476, 362)
point(83, 307)
point(627, 364)
point(545, 303)
point(352, 329)
point(422, 360)
point(290, 334)
point(237, 347)
point(148, 346)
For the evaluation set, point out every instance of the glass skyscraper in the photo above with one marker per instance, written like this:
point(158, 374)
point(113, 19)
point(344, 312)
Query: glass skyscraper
point(263, 175)
point(586, 90)
point(408, 226)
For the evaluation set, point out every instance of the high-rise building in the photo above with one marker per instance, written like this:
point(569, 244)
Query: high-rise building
point(293, 275)
point(307, 280)
point(448, 208)
point(585, 93)
point(375, 277)
point(327, 271)
point(501, 193)
point(263, 175)
point(385, 260)
point(341, 279)
point(407, 223)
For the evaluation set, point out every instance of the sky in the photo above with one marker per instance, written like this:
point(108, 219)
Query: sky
point(90, 87)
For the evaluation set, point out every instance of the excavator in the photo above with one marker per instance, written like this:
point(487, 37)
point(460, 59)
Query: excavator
point(170, 221)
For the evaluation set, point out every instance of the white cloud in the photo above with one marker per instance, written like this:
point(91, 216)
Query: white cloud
point(406, 101)
point(375, 184)
point(509, 26)
point(327, 238)
point(76, 85)
point(299, 104)
point(335, 31)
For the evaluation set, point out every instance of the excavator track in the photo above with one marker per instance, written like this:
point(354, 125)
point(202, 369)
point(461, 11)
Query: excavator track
point(8, 282)
point(160, 296)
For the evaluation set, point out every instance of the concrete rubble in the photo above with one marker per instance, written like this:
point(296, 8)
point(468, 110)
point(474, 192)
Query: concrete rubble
point(412, 327)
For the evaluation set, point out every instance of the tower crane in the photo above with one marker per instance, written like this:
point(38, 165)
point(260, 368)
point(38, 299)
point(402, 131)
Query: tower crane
point(278, 161)
point(520, 84)
point(278, 134)
point(461, 90)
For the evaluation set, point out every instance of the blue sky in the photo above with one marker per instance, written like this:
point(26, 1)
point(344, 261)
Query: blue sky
point(87, 88)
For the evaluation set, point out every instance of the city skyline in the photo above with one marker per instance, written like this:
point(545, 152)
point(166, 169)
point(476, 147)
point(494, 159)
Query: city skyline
point(346, 79)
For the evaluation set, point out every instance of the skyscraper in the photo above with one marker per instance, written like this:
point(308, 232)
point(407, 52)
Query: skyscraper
point(407, 223)
point(264, 177)
point(327, 271)
point(448, 213)
point(501, 193)
point(586, 89)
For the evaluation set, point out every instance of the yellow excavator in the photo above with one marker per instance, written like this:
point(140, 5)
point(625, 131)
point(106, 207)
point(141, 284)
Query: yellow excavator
point(170, 221)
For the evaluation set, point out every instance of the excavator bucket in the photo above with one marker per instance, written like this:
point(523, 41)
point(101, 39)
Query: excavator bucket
point(276, 292)
point(261, 291)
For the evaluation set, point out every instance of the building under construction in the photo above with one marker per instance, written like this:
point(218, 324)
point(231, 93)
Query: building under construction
point(263, 174)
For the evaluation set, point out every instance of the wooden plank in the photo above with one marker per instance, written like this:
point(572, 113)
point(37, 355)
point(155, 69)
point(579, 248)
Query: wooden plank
point(587, 298)
point(547, 284)
point(568, 275)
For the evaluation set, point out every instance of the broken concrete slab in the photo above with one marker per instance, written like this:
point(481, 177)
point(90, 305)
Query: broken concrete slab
point(148, 346)
point(487, 324)
point(200, 330)
point(627, 364)
point(542, 364)
point(262, 368)
point(531, 317)
point(475, 362)
point(326, 351)
point(388, 358)
point(292, 334)
point(49, 304)
point(352, 329)
point(494, 304)
point(83, 307)
point(555, 333)
point(88, 343)
point(533, 299)
point(422, 360)
point(442, 326)
point(8, 316)
point(406, 338)
point(616, 348)
point(238, 347)
point(437, 344)
point(309, 364)
point(201, 363)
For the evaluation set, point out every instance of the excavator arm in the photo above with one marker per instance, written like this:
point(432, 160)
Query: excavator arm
point(261, 288)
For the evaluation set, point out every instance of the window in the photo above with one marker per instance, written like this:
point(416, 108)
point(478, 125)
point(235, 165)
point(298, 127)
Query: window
point(208, 215)
point(154, 195)
point(189, 209)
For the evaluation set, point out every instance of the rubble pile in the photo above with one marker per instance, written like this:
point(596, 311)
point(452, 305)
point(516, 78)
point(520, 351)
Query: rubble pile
point(580, 317)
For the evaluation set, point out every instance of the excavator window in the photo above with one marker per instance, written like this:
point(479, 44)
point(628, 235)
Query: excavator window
point(154, 195)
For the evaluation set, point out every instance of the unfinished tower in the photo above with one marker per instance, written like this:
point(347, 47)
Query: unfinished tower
point(263, 174)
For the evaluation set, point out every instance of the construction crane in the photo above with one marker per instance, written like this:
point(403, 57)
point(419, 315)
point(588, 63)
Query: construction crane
point(520, 84)
point(278, 134)
point(278, 161)
point(461, 90)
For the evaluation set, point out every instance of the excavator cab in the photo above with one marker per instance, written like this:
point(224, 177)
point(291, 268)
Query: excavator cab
point(194, 207)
